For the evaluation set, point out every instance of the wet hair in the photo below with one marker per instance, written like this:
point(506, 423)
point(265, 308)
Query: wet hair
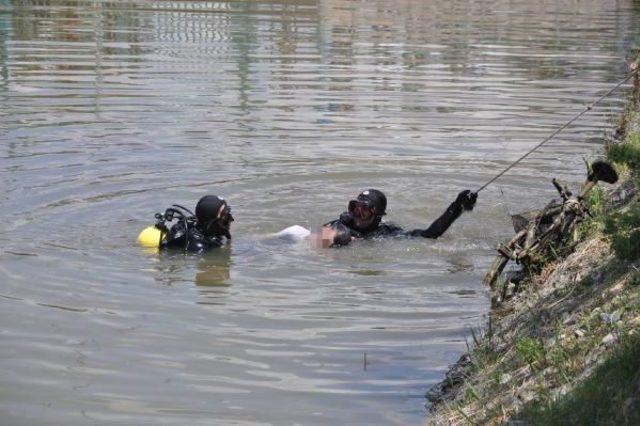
point(343, 234)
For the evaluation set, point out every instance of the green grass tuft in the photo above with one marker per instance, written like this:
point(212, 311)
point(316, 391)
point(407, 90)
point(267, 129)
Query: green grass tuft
point(624, 230)
point(597, 203)
point(530, 351)
point(626, 155)
point(609, 396)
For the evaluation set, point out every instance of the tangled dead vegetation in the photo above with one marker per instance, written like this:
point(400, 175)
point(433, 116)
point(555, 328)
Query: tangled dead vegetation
point(563, 343)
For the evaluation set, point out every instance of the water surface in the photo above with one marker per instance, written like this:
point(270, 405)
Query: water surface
point(111, 111)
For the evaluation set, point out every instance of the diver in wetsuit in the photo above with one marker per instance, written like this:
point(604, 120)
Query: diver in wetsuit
point(208, 228)
point(363, 219)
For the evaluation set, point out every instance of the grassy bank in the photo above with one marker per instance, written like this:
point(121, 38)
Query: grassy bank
point(608, 396)
point(565, 349)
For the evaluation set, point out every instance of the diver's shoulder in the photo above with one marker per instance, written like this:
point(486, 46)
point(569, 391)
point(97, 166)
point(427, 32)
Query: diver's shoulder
point(385, 229)
point(389, 227)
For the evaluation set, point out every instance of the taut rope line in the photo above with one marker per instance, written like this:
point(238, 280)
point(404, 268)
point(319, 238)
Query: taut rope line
point(561, 128)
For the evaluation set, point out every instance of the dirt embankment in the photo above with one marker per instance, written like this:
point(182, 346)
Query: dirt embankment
point(565, 347)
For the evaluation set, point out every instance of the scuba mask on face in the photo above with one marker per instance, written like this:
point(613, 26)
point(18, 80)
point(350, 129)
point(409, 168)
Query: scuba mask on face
point(365, 212)
point(361, 210)
point(221, 224)
point(214, 217)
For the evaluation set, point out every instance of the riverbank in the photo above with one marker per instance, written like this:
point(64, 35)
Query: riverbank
point(564, 349)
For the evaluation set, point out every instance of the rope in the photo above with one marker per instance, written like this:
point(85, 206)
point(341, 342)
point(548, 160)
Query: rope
point(561, 128)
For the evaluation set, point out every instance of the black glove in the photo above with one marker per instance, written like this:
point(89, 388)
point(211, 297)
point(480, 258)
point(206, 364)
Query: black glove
point(467, 199)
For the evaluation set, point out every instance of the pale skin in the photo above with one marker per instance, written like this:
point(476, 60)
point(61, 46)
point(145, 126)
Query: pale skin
point(323, 237)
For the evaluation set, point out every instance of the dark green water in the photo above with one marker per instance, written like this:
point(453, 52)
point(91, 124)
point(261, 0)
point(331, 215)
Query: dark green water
point(111, 111)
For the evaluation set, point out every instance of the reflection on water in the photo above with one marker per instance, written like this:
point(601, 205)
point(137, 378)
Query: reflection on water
point(211, 269)
point(111, 111)
point(214, 268)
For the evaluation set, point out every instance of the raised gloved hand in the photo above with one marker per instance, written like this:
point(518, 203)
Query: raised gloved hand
point(467, 199)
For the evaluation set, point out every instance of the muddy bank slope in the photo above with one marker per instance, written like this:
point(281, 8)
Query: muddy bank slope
point(565, 347)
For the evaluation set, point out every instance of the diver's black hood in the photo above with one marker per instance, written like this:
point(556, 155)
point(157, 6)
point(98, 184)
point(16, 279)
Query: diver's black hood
point(374, 198)
point(209, 207)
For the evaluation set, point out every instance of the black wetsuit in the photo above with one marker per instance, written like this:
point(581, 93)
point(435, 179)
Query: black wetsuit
point(193, 240)
point(435, 230)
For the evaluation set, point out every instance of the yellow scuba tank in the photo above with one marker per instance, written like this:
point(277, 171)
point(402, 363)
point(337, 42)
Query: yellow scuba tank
point(150, 237)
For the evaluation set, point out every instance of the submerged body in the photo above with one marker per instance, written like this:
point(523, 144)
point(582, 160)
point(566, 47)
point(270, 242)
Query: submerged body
point(294, 233)
point(322, 237)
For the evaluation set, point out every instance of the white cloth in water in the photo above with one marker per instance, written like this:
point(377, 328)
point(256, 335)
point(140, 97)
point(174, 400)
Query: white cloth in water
point(294, 233)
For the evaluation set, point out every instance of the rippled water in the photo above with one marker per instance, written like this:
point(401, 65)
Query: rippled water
point(111, 111)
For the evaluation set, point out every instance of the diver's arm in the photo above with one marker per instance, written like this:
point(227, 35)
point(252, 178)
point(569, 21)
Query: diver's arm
point(465, 201)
